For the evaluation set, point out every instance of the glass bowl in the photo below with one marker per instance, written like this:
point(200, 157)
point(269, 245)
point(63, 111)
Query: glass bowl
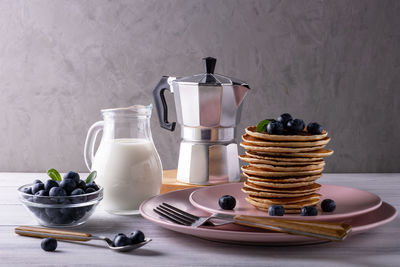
point(64, 211)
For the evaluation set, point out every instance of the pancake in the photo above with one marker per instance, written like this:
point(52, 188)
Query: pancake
point(303, 189)
point(321, 153)
point(260, 180)
point(260, 142)
point(304, 136)
point(256, 193)
point(282, 160)
point(267, 173)
point(289, 168)
point(253, 160)
point(288, 200)
point(275, 149)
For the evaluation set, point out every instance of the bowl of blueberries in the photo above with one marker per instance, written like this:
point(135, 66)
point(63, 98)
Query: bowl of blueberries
point(61, 202)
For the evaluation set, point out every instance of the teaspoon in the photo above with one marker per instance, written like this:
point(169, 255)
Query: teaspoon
point(73, 236)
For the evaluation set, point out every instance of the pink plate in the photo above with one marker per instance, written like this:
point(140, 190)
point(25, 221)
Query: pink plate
point(232, 233)
point(349, 201)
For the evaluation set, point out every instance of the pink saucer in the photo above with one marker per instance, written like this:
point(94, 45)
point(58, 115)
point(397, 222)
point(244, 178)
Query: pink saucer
point(349, 201)
point(232, 233)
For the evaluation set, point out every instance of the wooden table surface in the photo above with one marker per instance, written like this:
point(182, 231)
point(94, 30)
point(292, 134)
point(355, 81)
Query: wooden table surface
point(380, 246)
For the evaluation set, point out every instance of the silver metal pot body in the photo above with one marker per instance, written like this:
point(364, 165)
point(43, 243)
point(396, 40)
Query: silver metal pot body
point(208, 106)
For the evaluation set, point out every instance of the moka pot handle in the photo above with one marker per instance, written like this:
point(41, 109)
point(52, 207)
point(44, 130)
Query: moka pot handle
point(161, 104)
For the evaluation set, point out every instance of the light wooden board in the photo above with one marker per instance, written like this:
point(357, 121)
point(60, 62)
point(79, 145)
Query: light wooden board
point(378, 247)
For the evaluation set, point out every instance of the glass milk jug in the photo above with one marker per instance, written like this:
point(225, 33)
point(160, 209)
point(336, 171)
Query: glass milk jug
point(127, 163)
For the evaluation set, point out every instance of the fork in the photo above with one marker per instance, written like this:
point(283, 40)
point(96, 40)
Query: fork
point(324, 230)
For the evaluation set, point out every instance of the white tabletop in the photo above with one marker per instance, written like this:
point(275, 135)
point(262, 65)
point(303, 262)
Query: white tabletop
point(380, 246)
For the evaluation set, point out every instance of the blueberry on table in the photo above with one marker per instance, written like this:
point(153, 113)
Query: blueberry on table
point(227, 202)
point(37, 187)
point(308, 211)
point(136, 237)
point(276, 210)
point(328, 205)
point(50, 184)
point(284, 118)
point(68, 185)
point(49, 244)
point(314, 128)
point(72, 175)
point(121, 240)
point(295, 126)
point(275, 127)
point(37, 181)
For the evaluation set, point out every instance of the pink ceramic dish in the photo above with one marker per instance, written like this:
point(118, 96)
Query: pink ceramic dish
point(232, 233)
point(349, 202)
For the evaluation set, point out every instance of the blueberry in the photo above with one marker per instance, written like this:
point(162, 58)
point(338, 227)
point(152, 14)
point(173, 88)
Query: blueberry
point(27, 190)
point(37, 181)
point(41, 197)
point(37, 187)
point(49, 244)
point(136, 237)
point(42, 193)
point(72, 175)
point(308, 211)
point(53, 212)
point(121, 240)
point(81, 184)
point(284, 118)
point(89, 190)
point(295, 126)
point(58, 195)
point(276, 210)
point(76, 193)
point(57, 192)
point(328, 205)
point(227, 202)
point(50, 184)
point(275, 127)
point(78, 213)
point(314, 128)
point(68, 185)
point(93, 185)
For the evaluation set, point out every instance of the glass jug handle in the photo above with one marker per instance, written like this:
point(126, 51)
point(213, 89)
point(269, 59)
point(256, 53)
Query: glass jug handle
point(90, 141)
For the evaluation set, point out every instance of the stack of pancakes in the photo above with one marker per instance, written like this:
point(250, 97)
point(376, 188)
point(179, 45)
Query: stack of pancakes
point(283, 169)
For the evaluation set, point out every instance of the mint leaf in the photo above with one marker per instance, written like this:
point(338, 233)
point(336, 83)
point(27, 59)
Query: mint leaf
point(54, 175)
point(262, 126)
point(91, 177)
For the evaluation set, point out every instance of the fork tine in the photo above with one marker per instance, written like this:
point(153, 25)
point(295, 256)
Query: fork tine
point(175, 214)
point(172, 216)
point(184, 213)
point(165, 215)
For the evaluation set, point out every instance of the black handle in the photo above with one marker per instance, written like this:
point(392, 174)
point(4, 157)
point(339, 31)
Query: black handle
point(161, 104)
point(209, 64)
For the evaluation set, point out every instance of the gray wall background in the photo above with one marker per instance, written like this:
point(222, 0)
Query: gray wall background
point(335, 62)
